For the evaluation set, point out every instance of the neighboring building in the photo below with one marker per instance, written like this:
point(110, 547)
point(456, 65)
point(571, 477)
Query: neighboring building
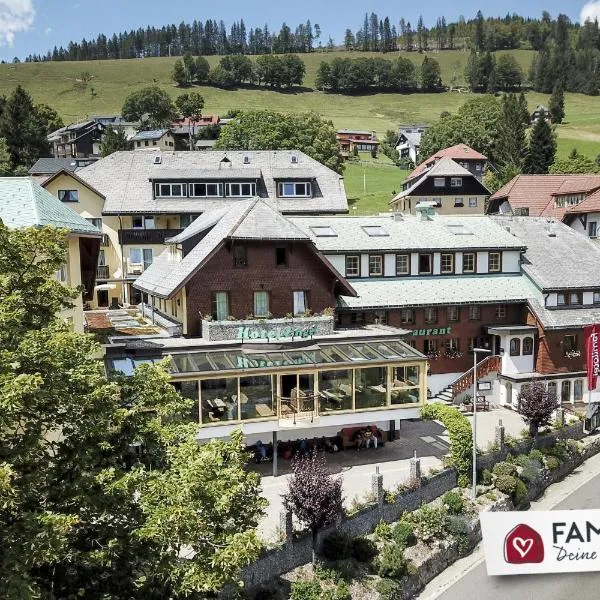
point(46, 167)
point(564, 268)
point(118, 122)
point(464, 155)
point(354, 139)
point(409, 141)
point(140, 199)
point(23, 203)
point(206, 144)
point(77, 140)
point(161, 139)
point(536, 114)
point(447, 186)
point(573, 199)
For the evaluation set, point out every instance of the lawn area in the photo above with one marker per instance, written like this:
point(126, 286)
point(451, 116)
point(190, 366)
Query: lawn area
point(55, 83)
point(371, 184)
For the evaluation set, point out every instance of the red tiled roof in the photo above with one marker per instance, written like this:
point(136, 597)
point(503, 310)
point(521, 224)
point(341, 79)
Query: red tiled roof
point(590, 204)
point(538, 192)
point(458, 152)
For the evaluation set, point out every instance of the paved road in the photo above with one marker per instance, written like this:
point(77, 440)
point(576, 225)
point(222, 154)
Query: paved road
point(475, 584)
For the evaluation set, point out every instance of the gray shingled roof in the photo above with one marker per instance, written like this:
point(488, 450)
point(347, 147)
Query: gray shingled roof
point(565, 318)
point(125, 179)
point(409, 233)
point(209, 174)
point(155, 134)
point(247, 219)
point(50, 166)
point(198, 225)
point(431, 291)
point(557, 256)
point(23, 203)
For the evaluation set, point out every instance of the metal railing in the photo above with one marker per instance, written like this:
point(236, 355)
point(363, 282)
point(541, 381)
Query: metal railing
point(146, 236)
point(298, 407)
point(484, 367)
point(102, 272)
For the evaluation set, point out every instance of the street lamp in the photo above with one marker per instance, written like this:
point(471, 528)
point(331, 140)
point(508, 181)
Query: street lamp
point(475, 351)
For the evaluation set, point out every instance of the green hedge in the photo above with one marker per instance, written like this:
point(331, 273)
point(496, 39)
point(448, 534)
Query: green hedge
point(461, 442)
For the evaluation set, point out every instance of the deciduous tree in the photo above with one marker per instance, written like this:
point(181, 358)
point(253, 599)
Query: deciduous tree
point(536, 403)
point(114, 140)
point(270, 130)
point(574, 163)
point(190, 107)
point(314, 495)
point(150, 106)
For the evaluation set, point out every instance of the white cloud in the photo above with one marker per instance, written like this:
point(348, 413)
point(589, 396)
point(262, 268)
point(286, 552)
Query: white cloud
point(48, 31)
point(590, 11)
point(15, 16)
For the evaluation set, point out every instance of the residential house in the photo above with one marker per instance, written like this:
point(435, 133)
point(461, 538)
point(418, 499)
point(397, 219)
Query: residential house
point(464, 155)
point(159, 138)
point(447, 186)
point(409, 141)
point(118, 122)
point(351, 140)
point(46, 167)
point(573, 199)
point(77, 140)
point(23, 203)
point(140, 199)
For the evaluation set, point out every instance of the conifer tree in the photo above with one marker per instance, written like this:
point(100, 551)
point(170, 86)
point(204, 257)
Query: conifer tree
point(542, 148)
point(557, 103)
point(511, 144)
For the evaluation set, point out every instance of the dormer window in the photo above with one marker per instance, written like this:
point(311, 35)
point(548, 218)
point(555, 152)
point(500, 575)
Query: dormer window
point(456, 182)
point(246, 160)
point(203, 190)
point(240, 190)
point(294, 189)
point(439, 181)
point(294, 159)
point(170, 190)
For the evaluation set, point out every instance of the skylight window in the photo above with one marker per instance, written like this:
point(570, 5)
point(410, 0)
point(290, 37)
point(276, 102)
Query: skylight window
point(459, 230)
point(323, 231)
point(375, 231)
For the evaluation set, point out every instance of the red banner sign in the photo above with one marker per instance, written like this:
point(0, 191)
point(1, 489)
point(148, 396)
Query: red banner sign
point(592, 354)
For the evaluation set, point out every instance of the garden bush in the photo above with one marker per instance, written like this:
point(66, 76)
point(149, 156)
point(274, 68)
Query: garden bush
point(336, 546)
point(504, 468)
point(506, 484)
point(363, 549)
point(340, 592)
point(453, 502)
point(306, 590)
point(392, 562)
point(457, 529)
point(552, 463)
point(536, 454)
point(389, 589)
point(404, 534)
point(383, 531)
point(521, 460)
point(520, 493)
point(459, 430)
point(429, 522)
point(486, 477)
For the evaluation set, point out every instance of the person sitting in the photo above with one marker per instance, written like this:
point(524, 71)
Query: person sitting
point(261, 452)
point(370, 438)
point(360, 440)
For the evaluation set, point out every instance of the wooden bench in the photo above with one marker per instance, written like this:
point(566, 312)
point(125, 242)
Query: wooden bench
point(482, 404)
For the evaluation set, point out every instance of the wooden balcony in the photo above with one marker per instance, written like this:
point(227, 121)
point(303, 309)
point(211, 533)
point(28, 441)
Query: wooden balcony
point(102, 272)
point(146, 236)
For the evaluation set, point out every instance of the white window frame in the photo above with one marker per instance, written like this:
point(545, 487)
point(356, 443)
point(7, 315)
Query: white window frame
point(430, 271)
point(400, 258)
point(472, 202)
point(215, 187)
point(472, 255)
point(261, 307)
point(593, 231)
point(499, 255)
point(300, 302)
point(239, 188)
point(439, 182)
point(148, 221)
point(355, 269)
point(61, 274)
point(281, 189)
point(456, 181)
point(377, 259)
point(446, 255)
point(453, 314)
point(459, 202)
point(221, 300)
point(160, 190)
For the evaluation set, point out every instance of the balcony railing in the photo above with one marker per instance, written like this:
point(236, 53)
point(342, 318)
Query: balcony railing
point(102, 272)
point(105, 241)
point(146, 236)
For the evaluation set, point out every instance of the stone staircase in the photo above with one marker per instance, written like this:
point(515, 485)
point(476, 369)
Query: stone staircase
point(464, 382)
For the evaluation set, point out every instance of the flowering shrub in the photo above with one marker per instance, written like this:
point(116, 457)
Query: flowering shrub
point(573, 353)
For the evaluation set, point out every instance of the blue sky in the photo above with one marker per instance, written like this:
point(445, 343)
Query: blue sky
point(34, 26)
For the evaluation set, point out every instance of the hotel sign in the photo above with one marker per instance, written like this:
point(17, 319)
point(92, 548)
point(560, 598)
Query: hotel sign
point(257, 332)
point(428, 332)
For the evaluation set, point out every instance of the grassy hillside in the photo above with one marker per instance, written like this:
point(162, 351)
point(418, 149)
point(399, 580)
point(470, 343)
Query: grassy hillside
point(56, 84)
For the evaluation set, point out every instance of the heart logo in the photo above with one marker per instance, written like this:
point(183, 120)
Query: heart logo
point(522, 546)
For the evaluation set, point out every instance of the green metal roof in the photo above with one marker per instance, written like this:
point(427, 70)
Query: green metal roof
point(23, 203)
